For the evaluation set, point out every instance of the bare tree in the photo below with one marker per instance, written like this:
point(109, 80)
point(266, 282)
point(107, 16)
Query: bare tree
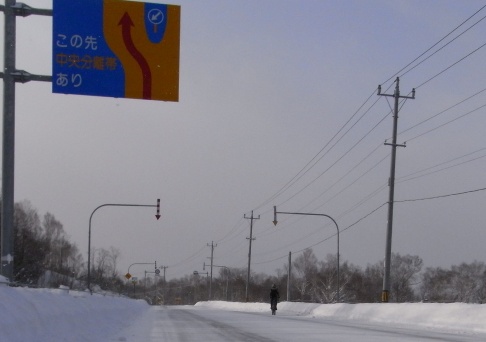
point(468, 282)
point(404, 272)
point(305, 266)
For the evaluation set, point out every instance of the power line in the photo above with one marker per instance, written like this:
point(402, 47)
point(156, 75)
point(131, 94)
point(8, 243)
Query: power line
point(323, 240)
point(353, 182)
point(337, 161)
point(446, 123)
point(306, 168)
point(295, 179)
point(442, 112)
point(469, 28)
point(313, 161)
point(366, 216)
point(430, 48)
point(409, 176)
point(188, 258)
point(441, 196)
point(226, 237)
point(450, 66)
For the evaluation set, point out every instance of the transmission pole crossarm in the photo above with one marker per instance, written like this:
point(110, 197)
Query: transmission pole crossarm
point(24, 10)
point(23, 76)
point(396, 145)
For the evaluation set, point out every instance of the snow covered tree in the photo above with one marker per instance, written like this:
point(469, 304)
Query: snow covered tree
point(28, 248)
point(325, 282)
point(436, 285)
point(305, 266)
point(404, 272)
point(469, 282)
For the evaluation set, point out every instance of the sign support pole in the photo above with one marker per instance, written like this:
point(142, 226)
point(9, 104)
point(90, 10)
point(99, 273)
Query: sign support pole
point(10, 76)
point(7, 236)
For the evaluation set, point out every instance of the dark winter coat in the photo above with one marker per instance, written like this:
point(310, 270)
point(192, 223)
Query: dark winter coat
point(274, 294)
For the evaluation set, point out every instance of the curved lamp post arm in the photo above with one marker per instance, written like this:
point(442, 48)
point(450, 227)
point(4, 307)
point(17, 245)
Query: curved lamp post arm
point(113, 205)
point(140, 263)
point(275, 212)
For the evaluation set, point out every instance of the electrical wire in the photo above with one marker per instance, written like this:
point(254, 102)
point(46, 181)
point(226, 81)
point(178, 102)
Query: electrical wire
point(306, 168)
point(226, 237)
point(297, 177)
point(440, 196)
point(344, 176)
point(451, 66)
point(469, 28)
point(369, 214)
point(323, 240)
point(337, 161)
point(446, 123)
point(409, 176)
point(442, 112)
point(188, 258)
point(430, 48)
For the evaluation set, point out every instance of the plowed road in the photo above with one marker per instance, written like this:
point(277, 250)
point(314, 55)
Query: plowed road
point(187, 324)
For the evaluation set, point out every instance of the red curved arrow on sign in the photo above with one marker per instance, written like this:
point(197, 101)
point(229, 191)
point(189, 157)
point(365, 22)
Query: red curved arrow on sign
point(126, 24)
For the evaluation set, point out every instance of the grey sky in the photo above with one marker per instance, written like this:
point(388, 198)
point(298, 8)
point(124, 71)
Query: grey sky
point(264, 86)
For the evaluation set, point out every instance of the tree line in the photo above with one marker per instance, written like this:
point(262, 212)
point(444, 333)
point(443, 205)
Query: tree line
point(45, 257)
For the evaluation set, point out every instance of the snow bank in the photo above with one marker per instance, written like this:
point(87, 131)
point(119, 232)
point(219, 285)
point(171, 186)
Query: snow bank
point(62, 315)
point(56, 315)
point(453, 317)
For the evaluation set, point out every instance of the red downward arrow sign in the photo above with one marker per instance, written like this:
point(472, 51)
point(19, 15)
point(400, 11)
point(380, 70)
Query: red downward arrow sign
point(158, 209)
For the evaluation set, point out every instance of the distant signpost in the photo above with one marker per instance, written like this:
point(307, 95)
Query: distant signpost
point(116, 48)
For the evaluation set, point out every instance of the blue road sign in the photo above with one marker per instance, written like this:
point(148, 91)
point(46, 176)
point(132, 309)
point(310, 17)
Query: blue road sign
point(116, 48)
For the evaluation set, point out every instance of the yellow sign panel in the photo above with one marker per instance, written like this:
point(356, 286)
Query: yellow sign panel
point(145, 38)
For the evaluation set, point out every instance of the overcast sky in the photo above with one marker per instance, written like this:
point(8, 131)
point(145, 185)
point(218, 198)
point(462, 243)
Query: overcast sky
point(272, 93)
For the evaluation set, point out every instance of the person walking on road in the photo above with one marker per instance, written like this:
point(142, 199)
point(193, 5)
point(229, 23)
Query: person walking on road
point(274, 298)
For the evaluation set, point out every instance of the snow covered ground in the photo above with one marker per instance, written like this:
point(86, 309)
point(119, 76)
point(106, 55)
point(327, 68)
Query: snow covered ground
point(52, 315)
point(454, 317)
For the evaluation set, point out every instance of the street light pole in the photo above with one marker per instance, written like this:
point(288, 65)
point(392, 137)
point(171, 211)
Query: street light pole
point(128, 275)
point(275, 212)
point(113, 205)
